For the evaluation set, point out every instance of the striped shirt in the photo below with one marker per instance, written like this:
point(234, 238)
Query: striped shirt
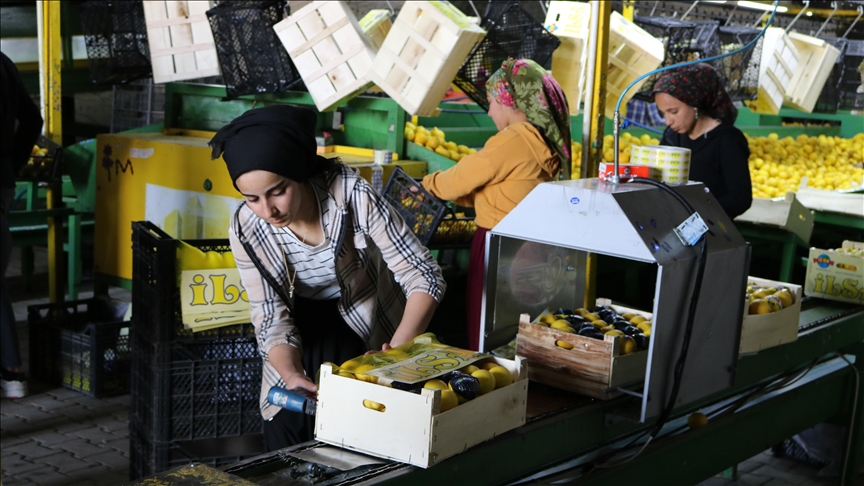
point(314, 268)
point(379, 263)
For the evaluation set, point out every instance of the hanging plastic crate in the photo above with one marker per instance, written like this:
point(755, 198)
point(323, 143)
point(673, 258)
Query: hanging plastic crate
point(816, 60)
point(250, 55)
point(852, 84)
point(569, 21)
point(181, 44)
point(739, 72)
point(829, 98)
point(137, 104)
point(330, 50)
point(115, 36)
point(510, 32)
point(46, 164)
point(676, 37)
point(422, 53)
point(706, 41)
point(421, 210)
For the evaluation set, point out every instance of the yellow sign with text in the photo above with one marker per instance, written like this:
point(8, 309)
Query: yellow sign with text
point(213, 298)
point(427, 365)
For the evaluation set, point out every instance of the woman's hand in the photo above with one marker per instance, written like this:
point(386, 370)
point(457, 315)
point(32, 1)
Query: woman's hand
point(296, 380)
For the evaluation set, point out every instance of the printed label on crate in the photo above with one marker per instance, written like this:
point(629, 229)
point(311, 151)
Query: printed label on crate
point(427, 365)
point(213, 298)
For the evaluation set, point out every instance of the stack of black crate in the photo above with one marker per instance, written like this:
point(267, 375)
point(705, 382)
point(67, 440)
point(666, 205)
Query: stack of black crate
point(195, 396)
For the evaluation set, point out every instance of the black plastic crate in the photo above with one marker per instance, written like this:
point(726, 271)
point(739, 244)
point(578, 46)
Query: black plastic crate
point(47, 167)
point(421, 210)
point(96, 359)
point(115, 36)
point(852, 97)
point(46, 324)
point(829, 98)
point(676, 36)
point(156, 308)
point(739, 72)
point(511, 32)
point(196, 390)
point(148, 457)
point(251, 56)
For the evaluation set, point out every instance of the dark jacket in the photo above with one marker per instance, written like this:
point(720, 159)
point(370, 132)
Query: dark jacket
point(16, 107)
point(719, 160)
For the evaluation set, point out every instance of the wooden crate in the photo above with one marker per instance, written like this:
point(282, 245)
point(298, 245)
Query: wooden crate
point(764, 331)
point(593, 367)
point(181, 42)
point(376, 25)
point(789, 215)
point(411, 429)
point(780, 59)
point(329, 50)
point(632, 53)
point(422, 54)
point(816, 61)
point(569, 21)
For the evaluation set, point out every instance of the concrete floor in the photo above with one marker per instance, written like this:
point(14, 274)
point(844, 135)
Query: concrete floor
point(57, 436)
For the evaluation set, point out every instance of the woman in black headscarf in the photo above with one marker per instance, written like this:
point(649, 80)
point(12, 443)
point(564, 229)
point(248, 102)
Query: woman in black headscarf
point(330, 268)
point(700, 116)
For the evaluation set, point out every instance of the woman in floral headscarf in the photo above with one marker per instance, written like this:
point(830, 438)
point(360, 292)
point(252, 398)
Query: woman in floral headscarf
point(700, 115)
point(532, 146)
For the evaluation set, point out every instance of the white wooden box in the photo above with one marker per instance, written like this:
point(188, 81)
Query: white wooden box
point(411, 429)
point(376, 25)
point(788, 214)
point(330, 51)
point(831, 201)
point(764, 331)
point(632, 53)
point(816, 60)
point(569, 21)
point(421, 55)
point(181, 42)
point(779, 61)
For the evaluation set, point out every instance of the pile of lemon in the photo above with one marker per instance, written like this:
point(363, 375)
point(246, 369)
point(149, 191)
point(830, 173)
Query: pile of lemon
point(435, 141)
point(777, 165)
point(457, 387)
point(625, 141)
point(850, 251)
point(764, 300)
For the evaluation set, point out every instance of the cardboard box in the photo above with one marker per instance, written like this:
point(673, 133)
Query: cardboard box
point(789, 215)
point(411, 429)
point(764, 331)
point(626, 171)
point(422, 53)
point(836, 276)
point(330, 51)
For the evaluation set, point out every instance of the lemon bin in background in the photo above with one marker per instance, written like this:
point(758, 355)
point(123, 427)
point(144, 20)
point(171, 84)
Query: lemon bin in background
point(435, 140)
point(421, 402)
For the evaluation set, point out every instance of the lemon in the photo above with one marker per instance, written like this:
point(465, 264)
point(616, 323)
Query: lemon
point(637, 319)
point(455, 156)
point(627, 345)
point(437, 132)
point(433, 143)
point(374, 405)
point(358, 372)
point(599, 323)
point(696, 420)
point(345, 374)
point(502, 376)
point(397, 354)
point(614, 332)
point(645, 328)
point(562, 325)
point(606, 329)
point(349, 365)
point(435, 384)
point(448, 400)
point(470, 369)
point(463, 149)
point(563, 344)
point(471, 151)
point(628, 315)
point(489, 365)
point(442, 151)
point(420, 138)
point(487, 381)
point(409, 134)
point(451, 146)
point(547, 319)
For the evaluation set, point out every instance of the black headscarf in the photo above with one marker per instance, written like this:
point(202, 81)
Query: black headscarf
point(277, 138)
point(699, 86)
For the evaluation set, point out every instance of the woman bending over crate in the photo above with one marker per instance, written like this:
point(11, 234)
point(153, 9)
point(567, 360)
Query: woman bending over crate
point(532, 146)
point(699, 116)
point(331, 270)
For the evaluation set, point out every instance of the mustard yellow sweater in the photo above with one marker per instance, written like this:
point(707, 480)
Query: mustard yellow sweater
point(497, 178)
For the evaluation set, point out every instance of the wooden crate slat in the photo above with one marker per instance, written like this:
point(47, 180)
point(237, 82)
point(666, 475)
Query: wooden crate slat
point(181, 42)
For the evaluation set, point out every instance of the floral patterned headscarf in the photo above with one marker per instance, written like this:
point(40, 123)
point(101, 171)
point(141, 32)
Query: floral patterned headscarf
point(699, 86)
point(524, 84)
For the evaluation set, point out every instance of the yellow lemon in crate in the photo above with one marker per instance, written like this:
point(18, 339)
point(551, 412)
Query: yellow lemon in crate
point(420, 138)
point(487, 381)
point(456, 156)
point(349, 365)
point(433, 143)
point(489, 365)
point(409, 134)
point(397, 354)
point(436, 384)
point(470, 369)
point(437, 132)
point(563, 344)
point(562, 325)
point(449, 400)
point(502, 376)
point(463, 149)
point(374, 405)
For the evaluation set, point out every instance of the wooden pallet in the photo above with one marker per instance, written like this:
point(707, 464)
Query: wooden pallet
point(181, 42)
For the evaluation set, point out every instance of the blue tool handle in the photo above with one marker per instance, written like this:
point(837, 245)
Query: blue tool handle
point(292, 400)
